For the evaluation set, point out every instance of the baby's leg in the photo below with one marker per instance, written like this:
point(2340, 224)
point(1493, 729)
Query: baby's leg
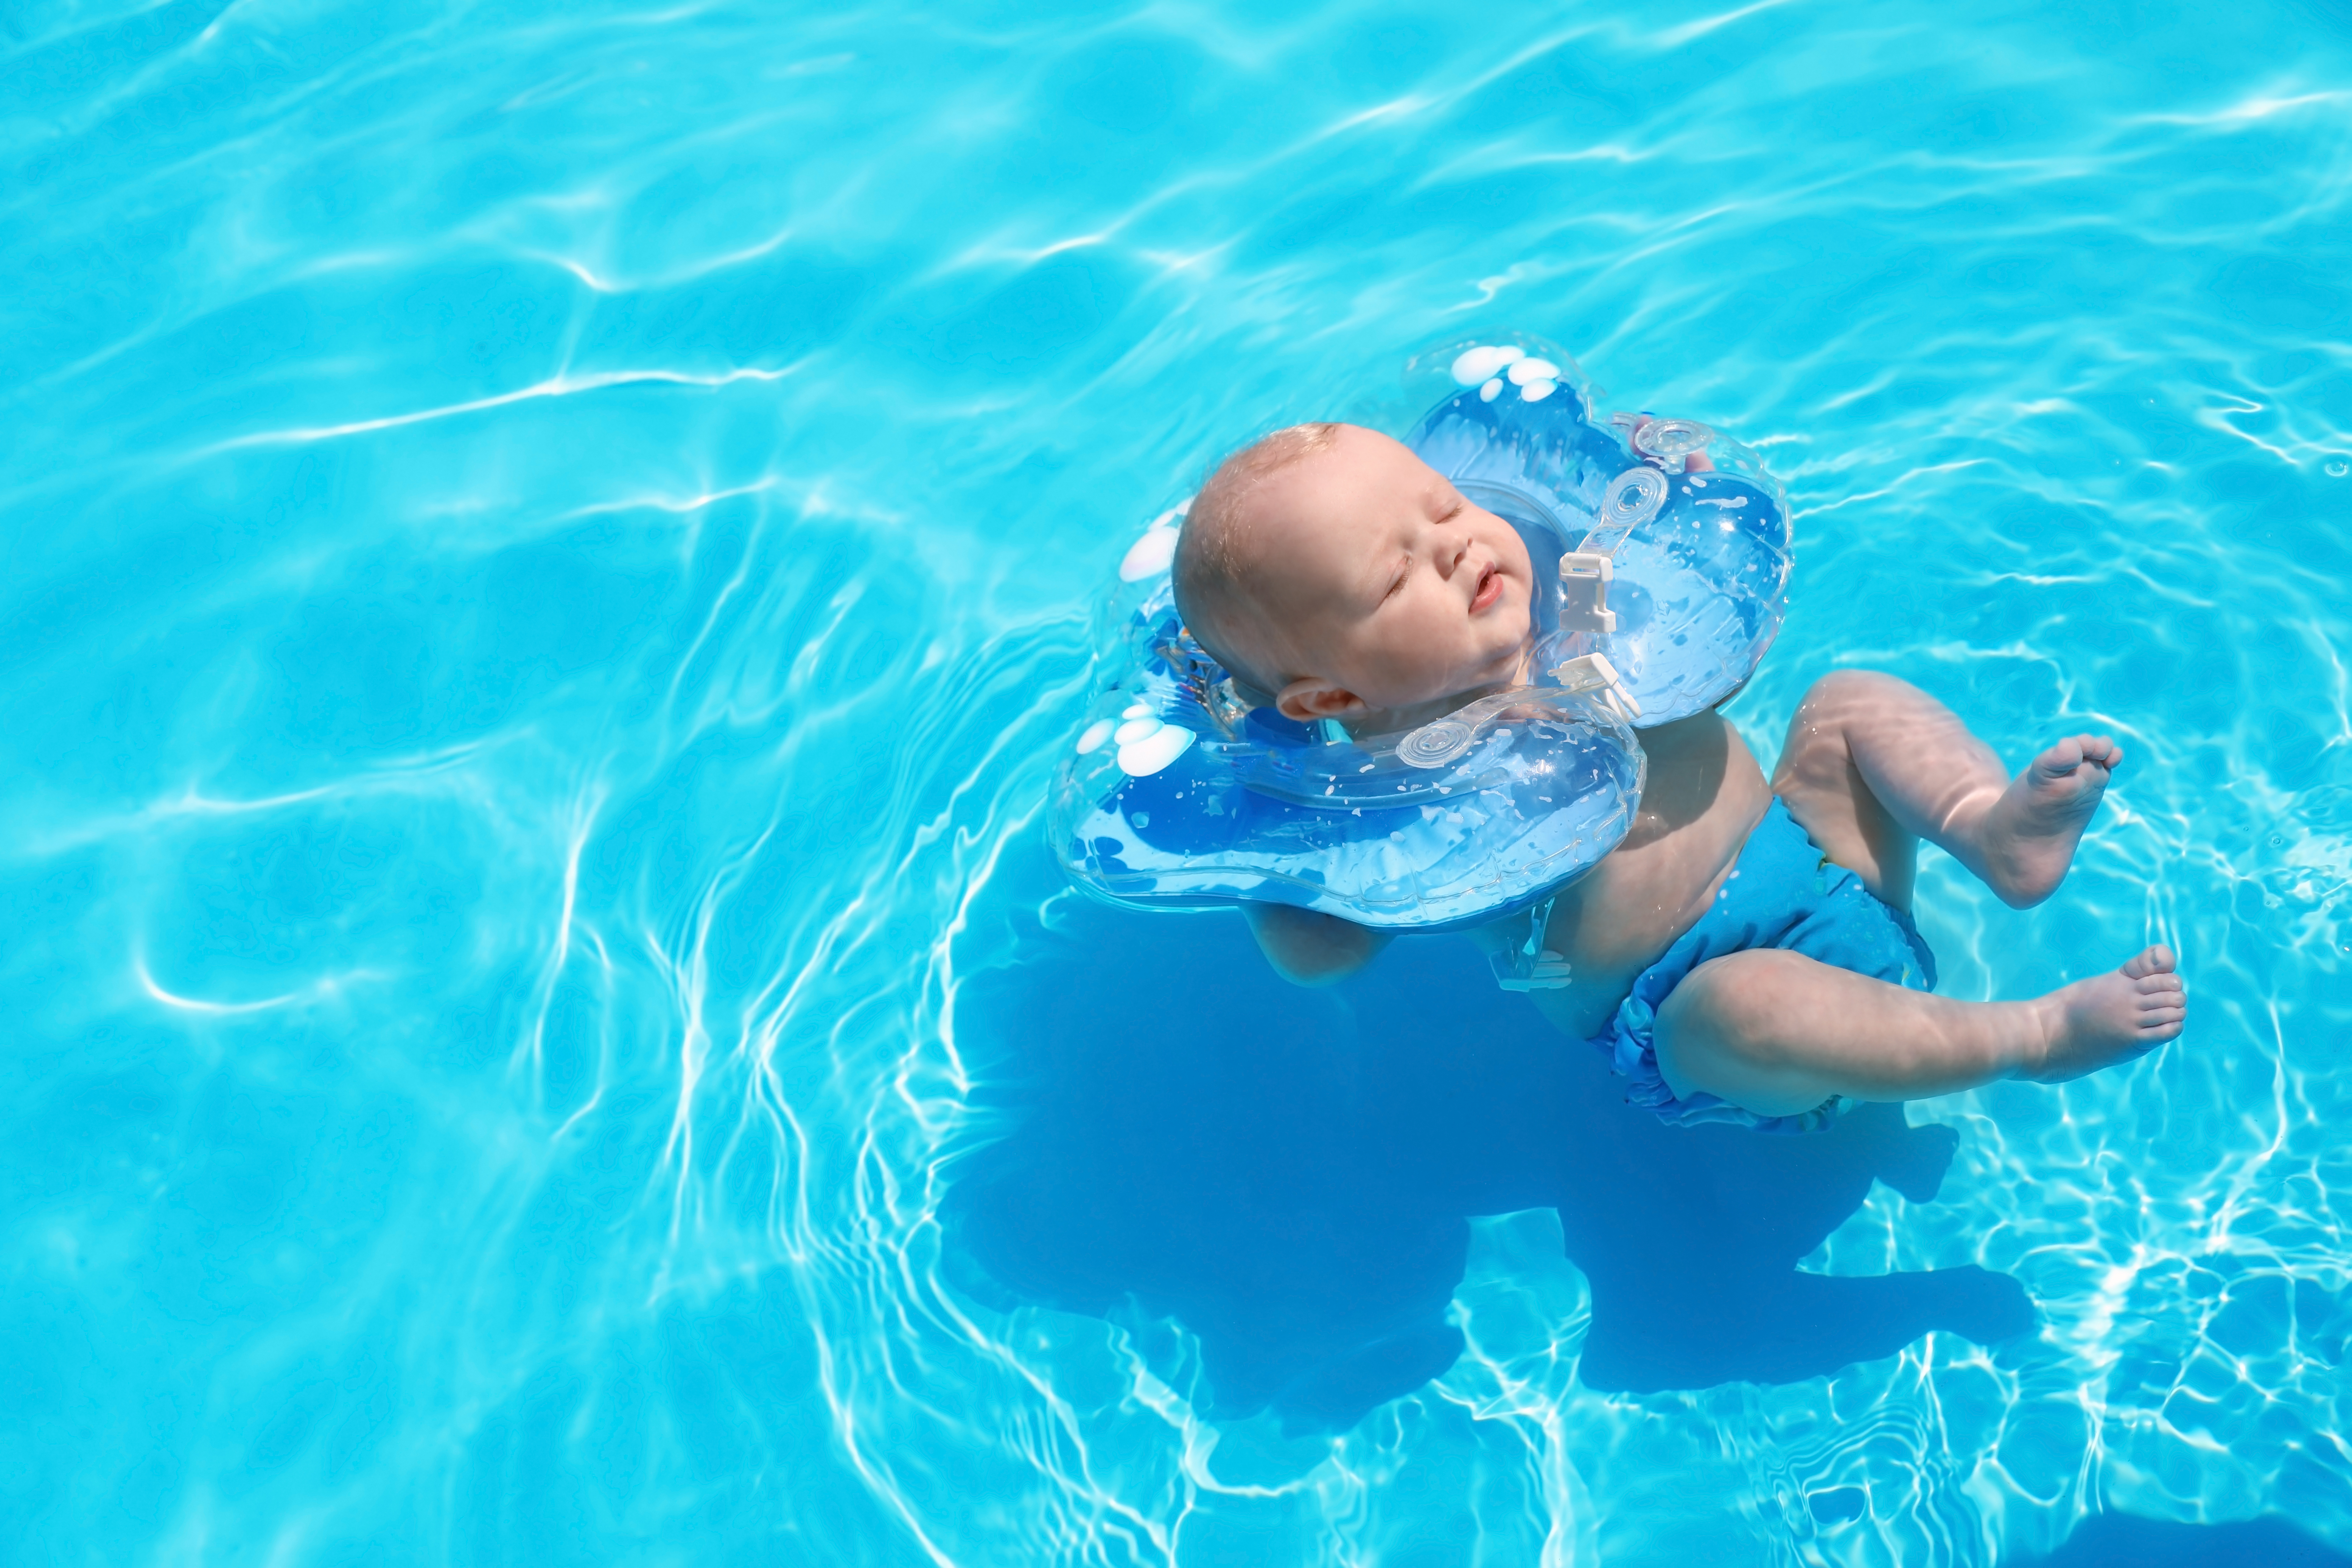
point(1873, 764)
point(1779, 1033)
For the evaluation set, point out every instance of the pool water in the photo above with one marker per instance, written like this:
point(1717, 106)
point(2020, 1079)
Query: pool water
point(548, 552)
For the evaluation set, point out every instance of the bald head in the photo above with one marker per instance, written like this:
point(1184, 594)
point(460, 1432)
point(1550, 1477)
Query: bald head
point(1331, 572)
point(1221, 545)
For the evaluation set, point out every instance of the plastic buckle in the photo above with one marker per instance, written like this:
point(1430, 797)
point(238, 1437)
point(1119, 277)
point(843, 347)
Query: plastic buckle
point(1546, 972)
point(1530, 965)
point(1584, 579)
point(1593, 672)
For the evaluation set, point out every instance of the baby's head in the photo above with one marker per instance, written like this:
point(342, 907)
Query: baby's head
point(1335, 573)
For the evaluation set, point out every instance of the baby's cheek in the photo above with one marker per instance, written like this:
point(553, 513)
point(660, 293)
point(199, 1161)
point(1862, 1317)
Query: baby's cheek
point(1520, 621)
point(1417, 664)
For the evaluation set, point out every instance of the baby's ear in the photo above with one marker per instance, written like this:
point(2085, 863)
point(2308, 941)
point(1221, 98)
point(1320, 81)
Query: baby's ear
point(1310, 697)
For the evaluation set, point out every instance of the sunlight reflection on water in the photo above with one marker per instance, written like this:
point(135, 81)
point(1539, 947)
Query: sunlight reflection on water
point(548, 571)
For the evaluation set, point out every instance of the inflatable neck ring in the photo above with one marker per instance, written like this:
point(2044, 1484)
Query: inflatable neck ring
point(1667, 547)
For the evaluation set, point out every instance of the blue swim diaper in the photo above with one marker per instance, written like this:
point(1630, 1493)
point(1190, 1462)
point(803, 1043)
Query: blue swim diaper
point(1782, 893)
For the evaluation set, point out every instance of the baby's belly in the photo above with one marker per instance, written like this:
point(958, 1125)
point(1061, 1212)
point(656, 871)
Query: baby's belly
point(1623, 916)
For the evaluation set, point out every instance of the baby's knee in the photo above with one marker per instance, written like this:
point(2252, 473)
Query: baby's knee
point(1835, 708)
point(1851, 688)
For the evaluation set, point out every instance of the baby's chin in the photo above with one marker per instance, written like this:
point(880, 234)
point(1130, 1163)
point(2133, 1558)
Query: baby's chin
point(1460, 685)
point(1509, 667)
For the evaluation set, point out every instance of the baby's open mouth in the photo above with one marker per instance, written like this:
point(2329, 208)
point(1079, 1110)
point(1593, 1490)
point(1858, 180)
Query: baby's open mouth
point(1490, 588)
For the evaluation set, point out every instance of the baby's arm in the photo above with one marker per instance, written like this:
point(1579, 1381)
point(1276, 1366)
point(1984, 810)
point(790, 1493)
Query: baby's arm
point(1310, 949)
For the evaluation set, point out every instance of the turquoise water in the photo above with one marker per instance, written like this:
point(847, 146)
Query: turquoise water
point(547, 558)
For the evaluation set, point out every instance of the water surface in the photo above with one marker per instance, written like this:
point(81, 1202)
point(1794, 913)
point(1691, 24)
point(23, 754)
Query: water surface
point(547, 559)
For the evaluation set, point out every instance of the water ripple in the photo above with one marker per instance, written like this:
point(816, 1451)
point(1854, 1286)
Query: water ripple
point(548, 571)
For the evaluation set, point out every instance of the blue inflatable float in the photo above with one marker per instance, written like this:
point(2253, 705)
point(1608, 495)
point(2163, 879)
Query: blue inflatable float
point(1666, 547)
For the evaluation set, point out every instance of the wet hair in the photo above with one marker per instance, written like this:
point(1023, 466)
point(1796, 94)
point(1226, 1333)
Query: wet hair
point(1212, 568)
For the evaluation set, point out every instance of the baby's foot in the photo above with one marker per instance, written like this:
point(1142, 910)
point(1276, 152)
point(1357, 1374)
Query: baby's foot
point(2108, 1018)
point(2027, 839)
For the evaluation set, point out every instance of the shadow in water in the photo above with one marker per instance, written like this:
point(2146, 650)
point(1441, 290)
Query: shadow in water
point(1289, 1174)
point(2121, 1541)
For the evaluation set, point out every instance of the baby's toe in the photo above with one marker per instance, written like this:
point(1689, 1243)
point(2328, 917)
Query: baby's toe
point(2099, 751)
point(2063, 758)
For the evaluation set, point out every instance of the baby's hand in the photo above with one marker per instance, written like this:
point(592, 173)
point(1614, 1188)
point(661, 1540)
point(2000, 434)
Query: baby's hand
point(1310, 949)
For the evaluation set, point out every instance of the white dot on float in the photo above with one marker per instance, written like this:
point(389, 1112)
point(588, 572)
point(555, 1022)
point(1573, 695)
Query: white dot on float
point(1134, 730)
point(1135, 711)
point(1093, 736)
point(1491, 390)
point(1537, 390)
point(1140, 759)
point(1527, 369)
point(1150, 556)
point(1473, 365)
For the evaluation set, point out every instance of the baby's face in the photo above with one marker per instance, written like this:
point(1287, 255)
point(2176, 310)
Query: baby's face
point(1383, 585)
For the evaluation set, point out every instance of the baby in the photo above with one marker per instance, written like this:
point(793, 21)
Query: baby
point(1746, 951)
